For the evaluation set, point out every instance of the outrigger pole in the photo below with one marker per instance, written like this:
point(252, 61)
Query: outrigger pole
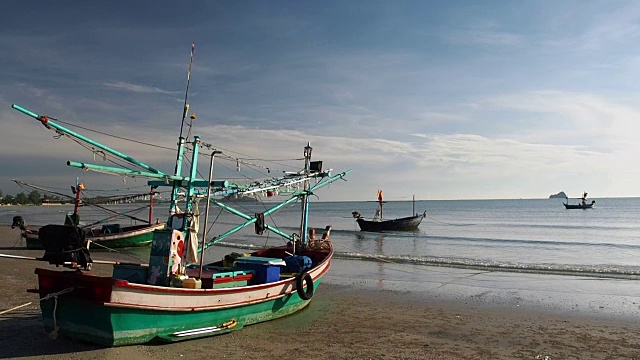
point(304, 199)
point(50, 124)
point(220, 187)
point(327, 179)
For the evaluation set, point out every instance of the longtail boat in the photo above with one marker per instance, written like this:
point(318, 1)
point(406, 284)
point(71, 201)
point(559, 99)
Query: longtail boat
point(176, 296)
point(580, 206)
point(108, 235)
point(583, 204)
point(379, 224)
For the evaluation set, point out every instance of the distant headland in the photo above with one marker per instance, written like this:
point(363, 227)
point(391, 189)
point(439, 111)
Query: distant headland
point(560, 195)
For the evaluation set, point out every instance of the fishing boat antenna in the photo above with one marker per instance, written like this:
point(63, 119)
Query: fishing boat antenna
point(305, 198)
point(181, 141)
point(186, 93)
point(414, 204)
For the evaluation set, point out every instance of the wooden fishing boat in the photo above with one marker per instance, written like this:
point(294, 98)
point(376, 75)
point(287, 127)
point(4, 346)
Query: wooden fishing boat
point(583, 204)
point(113, 311)
point(401, 224)
point(176, 296)
point(111, 236)
point(107, 235)
point(579, 206)
point(378, 224)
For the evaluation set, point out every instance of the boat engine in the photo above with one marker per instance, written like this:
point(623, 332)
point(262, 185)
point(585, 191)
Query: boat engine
point(18, 222)
point(65, 245)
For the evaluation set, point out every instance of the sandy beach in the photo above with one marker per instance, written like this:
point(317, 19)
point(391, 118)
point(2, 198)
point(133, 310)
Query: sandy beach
point(342, 322)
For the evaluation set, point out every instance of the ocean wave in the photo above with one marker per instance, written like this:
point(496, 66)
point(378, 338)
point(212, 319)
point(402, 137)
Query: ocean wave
point(602, 271)
point(532, 242)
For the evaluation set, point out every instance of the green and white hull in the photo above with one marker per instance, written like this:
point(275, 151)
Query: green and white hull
point(112, 312)
point(132, 236)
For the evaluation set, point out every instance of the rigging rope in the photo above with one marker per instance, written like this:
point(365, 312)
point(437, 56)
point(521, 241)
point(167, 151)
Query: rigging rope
point(20, 183)
point(54, 334)
point(243, 161)
point(119, 252)
point(446, 223)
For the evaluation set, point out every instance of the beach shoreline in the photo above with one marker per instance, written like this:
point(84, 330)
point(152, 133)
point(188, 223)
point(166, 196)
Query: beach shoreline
point(345, 320)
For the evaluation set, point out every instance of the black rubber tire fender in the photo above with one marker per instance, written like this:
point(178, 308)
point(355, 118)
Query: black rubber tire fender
point(304, 279)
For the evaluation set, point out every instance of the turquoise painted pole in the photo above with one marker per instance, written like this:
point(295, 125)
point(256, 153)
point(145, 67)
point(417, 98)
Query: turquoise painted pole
point(304, 222)
point(251, 220)
point(194, 171)
point(218, 185)
point(166, 180)
point(176, 188)
point(128, 172)
point(52, 124)
point(329, 180)
point(231, 210)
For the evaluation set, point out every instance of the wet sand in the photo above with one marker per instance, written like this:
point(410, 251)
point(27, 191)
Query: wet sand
point(341, 322)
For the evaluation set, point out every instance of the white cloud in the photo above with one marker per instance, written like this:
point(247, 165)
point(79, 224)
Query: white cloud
point(125, 86)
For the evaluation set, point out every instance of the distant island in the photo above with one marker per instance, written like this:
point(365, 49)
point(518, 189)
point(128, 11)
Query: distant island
point(560, 195)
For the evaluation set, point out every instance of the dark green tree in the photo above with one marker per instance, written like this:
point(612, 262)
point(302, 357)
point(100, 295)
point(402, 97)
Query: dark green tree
point(34, 198)
point(8, 199)
point(21, 198)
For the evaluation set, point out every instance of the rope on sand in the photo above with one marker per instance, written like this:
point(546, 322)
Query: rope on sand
point(15, 308)
point(54, 334)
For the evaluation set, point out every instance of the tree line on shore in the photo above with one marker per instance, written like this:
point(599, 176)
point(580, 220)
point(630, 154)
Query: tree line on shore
point(32, 198)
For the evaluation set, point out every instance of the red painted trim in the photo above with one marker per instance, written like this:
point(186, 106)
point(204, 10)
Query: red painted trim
point(198, 308)
point(154, 288)
point(99, 288)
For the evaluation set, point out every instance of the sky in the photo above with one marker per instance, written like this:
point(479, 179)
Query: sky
point(437, 99)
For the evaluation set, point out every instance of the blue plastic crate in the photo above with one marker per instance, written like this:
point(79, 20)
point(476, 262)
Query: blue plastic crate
point(297, 263)
point(265, 273)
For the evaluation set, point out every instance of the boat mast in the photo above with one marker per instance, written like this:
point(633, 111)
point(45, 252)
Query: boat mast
point(181, 140)
point(77, 191)
point(414, 204)
point(206, 213)
point(304, 222)
point(151, 193)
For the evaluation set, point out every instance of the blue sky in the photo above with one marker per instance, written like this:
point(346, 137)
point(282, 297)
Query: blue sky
point(444, 100)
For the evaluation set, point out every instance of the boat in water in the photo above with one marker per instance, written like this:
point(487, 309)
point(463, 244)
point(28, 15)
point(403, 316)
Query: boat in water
point(580, 206)
point(583, 204)
point(379, 224)
point(107, 235)
point(176, 296)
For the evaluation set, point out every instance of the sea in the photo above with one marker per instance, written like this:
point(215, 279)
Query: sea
point(529, 251)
